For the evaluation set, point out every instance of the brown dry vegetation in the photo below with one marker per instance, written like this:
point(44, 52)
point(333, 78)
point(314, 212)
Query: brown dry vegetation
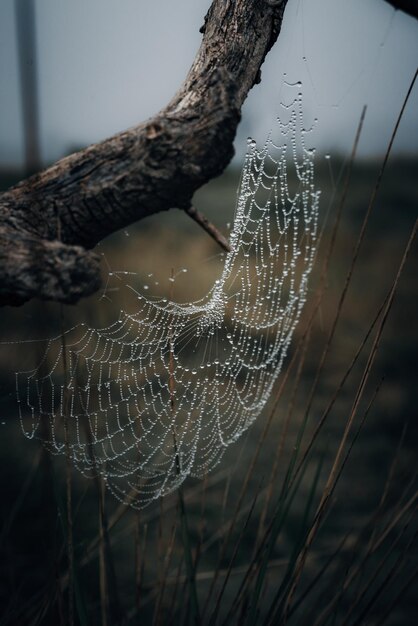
point(248, 522)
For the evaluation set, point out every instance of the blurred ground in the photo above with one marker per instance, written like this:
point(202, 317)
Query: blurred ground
point(31, 544)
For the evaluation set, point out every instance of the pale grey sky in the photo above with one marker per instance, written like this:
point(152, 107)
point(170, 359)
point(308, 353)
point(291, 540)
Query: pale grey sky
point(105, 65)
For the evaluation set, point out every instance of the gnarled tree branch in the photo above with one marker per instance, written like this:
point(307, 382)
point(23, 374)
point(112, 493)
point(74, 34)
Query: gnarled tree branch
point(49, 223)
point(407, 6)
point(64, 211)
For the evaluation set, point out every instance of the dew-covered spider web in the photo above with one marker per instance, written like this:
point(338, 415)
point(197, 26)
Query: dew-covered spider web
point(159, 394)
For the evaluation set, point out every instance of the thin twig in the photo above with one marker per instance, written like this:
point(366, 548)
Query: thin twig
point(210, 228)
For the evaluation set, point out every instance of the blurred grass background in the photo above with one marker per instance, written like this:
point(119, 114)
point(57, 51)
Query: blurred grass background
point(145, 573)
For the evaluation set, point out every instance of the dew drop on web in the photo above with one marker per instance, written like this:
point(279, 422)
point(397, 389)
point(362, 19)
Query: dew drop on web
point(209, 364)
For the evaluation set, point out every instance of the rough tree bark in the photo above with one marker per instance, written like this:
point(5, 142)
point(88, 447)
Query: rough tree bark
point(50, 222)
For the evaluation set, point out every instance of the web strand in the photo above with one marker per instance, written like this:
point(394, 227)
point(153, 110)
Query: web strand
point(204, 370)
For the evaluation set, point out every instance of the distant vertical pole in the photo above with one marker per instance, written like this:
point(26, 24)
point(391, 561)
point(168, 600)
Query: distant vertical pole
point(26, 45)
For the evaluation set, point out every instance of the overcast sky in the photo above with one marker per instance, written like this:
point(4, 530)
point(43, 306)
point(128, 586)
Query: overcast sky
point(105, 65)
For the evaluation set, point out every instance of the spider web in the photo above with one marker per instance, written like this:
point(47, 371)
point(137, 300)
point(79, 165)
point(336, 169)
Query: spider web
point(160, 394)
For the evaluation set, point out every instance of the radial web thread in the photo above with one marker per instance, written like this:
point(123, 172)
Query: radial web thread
point(159, 395)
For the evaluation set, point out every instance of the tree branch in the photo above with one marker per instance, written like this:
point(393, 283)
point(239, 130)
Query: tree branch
point(408, 6)
point(200, 219)
point(35, 267)
point(150, 168)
